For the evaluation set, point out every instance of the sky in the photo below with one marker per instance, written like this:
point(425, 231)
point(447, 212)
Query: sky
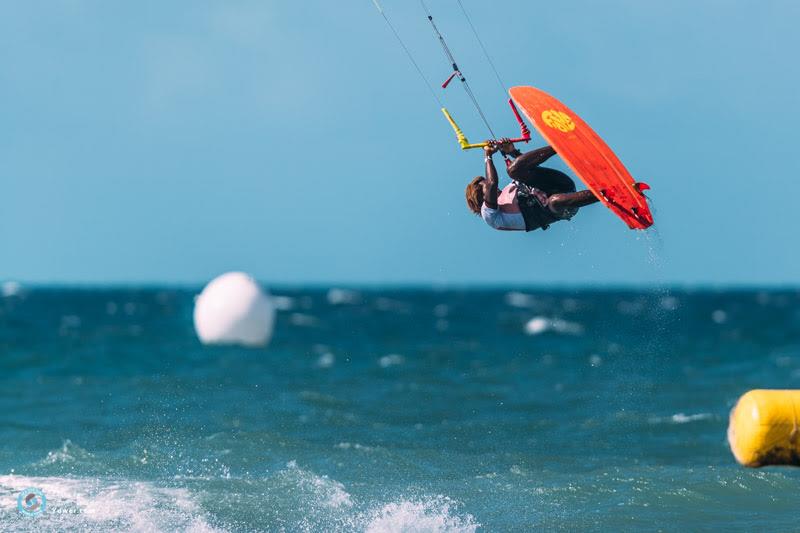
point(168, 142)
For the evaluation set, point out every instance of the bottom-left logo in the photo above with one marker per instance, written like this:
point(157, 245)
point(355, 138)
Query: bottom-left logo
point(31, 502)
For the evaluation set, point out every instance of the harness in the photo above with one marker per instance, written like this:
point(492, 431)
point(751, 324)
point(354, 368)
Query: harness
point(534, 210)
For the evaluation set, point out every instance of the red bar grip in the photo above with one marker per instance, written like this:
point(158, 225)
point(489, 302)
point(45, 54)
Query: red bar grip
point(448, 80)
point(523, 128)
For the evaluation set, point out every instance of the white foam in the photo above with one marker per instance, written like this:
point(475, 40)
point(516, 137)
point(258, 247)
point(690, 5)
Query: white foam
point(112, 504)
point(68, 453)
point(392, 359)
point(325, 360)
point(719, 316)
point(680, 418)
point(326, 491)
point(538, 325)
point(10, 288)
point(342, 297)
point(303, 320)
point(669, 303)
point(327, 506)
point(519, 299)
point(283, 303)
point(88, 504)
point(354, 446)
point(416, 516)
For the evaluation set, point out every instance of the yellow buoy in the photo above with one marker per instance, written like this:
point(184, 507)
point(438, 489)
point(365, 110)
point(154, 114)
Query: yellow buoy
point(763, 428)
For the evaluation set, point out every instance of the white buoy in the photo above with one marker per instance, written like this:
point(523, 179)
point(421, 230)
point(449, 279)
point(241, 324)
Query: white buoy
point(232, 309)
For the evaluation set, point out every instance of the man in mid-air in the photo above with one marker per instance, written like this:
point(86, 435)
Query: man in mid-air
point(535, 198)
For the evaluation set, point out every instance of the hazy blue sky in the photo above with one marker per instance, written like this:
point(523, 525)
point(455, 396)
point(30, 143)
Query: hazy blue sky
point(172, 141)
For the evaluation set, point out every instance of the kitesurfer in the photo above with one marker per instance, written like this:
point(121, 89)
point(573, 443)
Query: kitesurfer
point(536, 197)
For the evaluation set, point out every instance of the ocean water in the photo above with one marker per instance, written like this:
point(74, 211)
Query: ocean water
point(393, 410)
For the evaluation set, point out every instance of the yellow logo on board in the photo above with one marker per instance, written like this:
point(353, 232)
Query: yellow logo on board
point(558, 120)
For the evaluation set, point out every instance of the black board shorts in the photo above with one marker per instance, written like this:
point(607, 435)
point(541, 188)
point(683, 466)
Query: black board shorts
point(550, 181)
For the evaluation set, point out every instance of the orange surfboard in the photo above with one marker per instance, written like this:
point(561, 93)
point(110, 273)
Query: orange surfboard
point(587, 155)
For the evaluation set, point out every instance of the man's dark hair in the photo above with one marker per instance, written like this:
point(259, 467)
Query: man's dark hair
point(474, 195)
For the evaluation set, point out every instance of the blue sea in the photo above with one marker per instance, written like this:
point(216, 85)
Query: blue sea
point(393, 410)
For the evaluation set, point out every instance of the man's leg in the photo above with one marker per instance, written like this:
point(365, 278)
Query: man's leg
point(519, 168)
point(566, 200)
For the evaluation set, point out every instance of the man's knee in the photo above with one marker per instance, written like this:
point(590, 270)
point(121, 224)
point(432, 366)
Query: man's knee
point(556, 201)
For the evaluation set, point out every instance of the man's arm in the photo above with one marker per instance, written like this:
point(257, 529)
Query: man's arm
point(490, 184)
point(529, 160)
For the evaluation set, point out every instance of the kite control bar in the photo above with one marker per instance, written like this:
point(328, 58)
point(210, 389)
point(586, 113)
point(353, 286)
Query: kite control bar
point(525, 133)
